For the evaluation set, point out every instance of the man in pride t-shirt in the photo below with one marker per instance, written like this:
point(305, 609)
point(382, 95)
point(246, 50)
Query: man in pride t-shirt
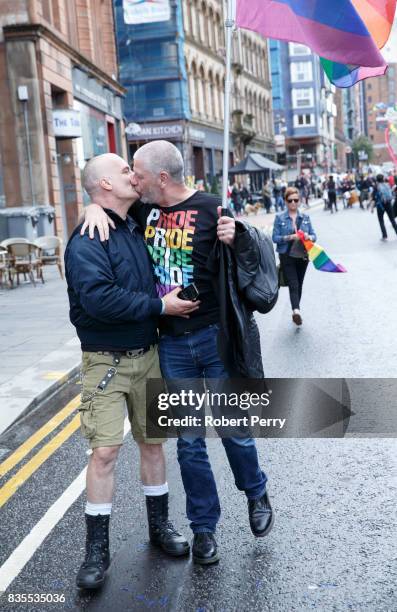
point(180, 230)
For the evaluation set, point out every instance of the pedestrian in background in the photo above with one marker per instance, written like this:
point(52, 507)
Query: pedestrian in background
point(236, 199)
point(383, 199)
point(292, 253)
point(278, 198)
point(364, 188)
point(267, 196)
point(331, 189)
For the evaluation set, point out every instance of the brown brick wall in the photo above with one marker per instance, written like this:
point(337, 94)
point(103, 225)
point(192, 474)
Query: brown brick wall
point(87, 25)
point(379, 90)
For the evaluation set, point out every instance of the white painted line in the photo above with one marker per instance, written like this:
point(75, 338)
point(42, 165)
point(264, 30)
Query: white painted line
point(26, 549)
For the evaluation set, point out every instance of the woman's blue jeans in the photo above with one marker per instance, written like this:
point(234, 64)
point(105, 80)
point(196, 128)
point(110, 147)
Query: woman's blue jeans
point(195, 356)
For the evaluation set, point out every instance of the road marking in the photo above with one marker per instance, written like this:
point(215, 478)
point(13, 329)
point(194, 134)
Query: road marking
point(53, 375)
point(37, 460)
point(37, 437)
point(23, 553)
point(26, 549)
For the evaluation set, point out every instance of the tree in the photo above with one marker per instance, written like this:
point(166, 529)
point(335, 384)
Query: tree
point(215, 186)
point(362, 143)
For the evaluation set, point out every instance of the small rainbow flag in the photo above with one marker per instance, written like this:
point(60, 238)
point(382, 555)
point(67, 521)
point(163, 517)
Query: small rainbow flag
point(319, 257)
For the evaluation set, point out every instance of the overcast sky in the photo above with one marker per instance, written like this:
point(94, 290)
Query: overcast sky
point(390, 51)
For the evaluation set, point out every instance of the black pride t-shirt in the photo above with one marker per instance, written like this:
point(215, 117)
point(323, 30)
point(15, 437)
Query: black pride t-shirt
point(179, 239)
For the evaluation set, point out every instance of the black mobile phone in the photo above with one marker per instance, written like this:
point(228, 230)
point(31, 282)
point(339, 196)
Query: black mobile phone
point(190, 293)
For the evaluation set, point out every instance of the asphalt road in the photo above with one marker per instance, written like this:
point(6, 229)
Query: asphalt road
point(333, 545)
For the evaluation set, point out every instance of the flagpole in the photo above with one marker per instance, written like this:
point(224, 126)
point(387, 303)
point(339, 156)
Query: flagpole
point(229, 25)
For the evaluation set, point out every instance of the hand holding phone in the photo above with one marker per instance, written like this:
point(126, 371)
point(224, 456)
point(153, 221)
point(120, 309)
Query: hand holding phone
point(189, 293)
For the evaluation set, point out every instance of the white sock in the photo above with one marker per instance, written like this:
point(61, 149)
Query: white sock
point(95, 509)
point(155, 490)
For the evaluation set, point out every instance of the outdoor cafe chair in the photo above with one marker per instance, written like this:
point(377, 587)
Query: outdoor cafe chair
point(51, 251)
point(7, 241)
point(25, 259)
point(5, 269)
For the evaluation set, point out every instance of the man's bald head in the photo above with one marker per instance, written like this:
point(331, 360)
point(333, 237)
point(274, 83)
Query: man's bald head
point(98, 168)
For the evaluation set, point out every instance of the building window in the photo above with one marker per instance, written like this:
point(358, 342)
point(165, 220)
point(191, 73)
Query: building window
point(298, 49)
point(301, 71)
point(304, 120)
point(302, 98)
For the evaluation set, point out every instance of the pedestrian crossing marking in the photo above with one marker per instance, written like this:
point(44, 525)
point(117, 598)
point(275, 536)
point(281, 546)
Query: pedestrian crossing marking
point(31, 466)
point(38, 436)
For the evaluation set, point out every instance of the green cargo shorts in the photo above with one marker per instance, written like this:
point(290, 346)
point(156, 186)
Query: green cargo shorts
point(102, 412)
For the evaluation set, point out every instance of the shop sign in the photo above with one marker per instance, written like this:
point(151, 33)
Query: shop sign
point(196, 134)
point(157, 132)
point(150, 11)
point(67, 123)
point(89, 90)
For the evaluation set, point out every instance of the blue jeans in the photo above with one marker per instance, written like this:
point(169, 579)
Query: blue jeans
point(195, 355)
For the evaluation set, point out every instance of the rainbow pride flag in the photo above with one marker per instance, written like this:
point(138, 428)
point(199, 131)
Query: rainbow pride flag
point(319, 257)
point(378, 17)
point(331, 28)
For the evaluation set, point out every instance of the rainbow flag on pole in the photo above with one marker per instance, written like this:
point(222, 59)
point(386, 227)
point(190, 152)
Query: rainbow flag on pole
point(331, 28)
point(378, 17)
point(319, 257)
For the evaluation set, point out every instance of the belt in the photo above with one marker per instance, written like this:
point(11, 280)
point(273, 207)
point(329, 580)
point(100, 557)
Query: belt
point(132, 354)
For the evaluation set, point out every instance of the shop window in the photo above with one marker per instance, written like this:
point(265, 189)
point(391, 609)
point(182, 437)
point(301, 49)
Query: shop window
point(94, 130)
point(112, 138)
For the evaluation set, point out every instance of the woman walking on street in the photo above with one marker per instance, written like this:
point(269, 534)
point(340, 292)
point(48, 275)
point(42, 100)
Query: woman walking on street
point(331, 187)
point(292, 253)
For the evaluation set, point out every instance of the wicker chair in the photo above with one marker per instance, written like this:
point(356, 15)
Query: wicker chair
point(24, 259)
point(51, 251)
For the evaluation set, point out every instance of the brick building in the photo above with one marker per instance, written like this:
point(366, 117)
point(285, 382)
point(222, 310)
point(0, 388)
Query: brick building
point(380, 94)
point(61, 104)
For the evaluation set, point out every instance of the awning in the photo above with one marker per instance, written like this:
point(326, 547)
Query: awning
point(255, 162)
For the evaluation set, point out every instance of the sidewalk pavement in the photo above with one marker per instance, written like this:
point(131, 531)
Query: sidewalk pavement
point(39, 350)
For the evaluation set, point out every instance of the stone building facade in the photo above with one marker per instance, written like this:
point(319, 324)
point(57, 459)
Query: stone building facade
point(251, 107)
point(61, 102)
point(174, 73)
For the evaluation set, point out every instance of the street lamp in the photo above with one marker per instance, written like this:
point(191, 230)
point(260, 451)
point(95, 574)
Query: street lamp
point(23, 96)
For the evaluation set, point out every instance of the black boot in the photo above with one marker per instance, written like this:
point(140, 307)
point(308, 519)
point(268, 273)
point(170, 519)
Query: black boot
point(260, 515)
point(91, 574)
point(161, 531)
point(205, 549)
